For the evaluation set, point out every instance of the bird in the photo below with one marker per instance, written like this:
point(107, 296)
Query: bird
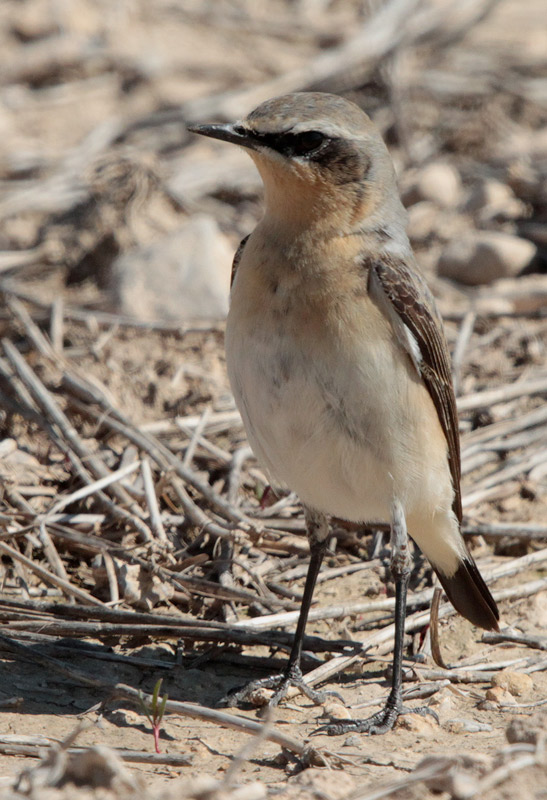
point(338, 361)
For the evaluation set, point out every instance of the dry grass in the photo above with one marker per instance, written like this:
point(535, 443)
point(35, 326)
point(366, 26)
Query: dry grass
point(133, 512)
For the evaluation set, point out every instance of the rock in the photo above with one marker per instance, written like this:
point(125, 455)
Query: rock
point(492, 198)
point(484, 256)
point(423, 219)
point(443, 702)
point(518, 684)
point(334, 710)
point(488, 705)
point(34, 22)
point(463, 725)
point(183, 276)
point(438, 182)
point(527, 729)
point(445, 707)
point(499, 695)
point(422, 725)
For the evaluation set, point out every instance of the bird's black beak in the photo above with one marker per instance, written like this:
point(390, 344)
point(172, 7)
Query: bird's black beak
point(235, 134)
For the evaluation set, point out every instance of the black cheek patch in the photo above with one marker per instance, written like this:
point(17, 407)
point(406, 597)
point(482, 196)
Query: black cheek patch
point(344, 161)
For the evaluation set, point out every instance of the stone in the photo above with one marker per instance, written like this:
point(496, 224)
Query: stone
point(464, 725)
point(185, 275)
point(438, 182)
point(443, 702)
point(422, 725)
point(488, 705)
point(499, 695)
point(334, 710)
point(491, 198)
point(518, 684)
point(35, 21)
point(423, 219)
point(485, 256)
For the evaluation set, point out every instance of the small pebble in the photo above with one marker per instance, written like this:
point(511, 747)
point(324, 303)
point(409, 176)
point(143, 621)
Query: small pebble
point(182, 275)
point(518, 684)
point(492, 198)
point(438, 182)
point(443, 702)
point(334, 710)
point(488, 705)
point(423, 219)
point(485, 256)
point(425, 726)
point(499, 695)
point(463, 725)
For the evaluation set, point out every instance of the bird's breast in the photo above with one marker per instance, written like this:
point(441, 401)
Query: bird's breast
point(332, 405)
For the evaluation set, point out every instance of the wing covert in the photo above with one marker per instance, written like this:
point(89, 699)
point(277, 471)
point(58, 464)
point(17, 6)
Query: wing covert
point(413, 303)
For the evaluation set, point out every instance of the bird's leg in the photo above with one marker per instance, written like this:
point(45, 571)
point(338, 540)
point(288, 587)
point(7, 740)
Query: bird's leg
point(318, 529)
point(385, 719)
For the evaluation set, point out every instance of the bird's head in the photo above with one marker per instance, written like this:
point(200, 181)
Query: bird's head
point(320, 157)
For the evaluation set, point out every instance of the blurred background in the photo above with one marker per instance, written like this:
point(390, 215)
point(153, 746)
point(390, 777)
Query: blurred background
point(127, 484)
point(107, 200)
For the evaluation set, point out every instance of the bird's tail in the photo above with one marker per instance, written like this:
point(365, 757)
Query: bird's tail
point(470, 595)
point(440, 540)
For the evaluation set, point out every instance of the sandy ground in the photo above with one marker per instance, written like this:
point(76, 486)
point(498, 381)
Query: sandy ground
point(68, 69)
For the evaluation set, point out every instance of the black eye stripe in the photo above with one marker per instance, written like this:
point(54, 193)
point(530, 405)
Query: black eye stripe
point(292, 144)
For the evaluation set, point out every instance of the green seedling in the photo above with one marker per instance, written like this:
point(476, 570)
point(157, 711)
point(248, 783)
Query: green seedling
point(155, 711)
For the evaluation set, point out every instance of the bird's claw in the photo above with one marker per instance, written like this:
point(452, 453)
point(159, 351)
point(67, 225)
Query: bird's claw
point(379, 723)
point(280, 683)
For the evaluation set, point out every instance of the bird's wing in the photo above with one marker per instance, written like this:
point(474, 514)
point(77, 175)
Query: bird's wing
point(418, 325)
point(237, 258)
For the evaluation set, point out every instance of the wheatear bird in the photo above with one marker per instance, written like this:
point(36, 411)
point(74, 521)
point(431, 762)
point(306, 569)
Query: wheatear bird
point(337, 358)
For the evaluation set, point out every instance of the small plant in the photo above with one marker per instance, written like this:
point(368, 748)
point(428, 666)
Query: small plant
point(155, 711)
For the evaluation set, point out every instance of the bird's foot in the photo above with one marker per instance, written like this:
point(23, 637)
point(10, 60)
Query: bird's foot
point(381, 722)
point(280, 683)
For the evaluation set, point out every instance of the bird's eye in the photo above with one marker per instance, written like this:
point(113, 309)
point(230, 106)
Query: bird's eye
point(306, 142)
point(292, 144)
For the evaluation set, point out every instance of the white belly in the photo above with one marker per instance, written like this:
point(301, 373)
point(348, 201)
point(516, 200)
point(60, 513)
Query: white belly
point(342, 428)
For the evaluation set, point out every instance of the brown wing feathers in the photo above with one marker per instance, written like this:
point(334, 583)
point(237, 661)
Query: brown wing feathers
point(411, 299)
point(408, 295)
